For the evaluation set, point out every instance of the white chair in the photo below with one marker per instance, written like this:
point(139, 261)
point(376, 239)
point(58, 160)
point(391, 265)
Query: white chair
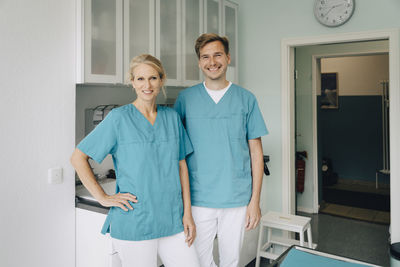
point(286, 222)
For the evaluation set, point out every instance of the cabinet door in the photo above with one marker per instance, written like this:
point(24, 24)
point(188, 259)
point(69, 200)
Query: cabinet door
point(168, 32)
point(139, 30)
point(212, 22)
point(192, 28)
point(103, 41)
point(230, 31)
point(92, 248)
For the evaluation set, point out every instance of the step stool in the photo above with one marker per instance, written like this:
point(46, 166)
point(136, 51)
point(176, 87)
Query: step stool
point(286, 222)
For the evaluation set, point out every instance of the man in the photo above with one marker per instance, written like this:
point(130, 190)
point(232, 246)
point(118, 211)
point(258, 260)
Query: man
point(225, 126)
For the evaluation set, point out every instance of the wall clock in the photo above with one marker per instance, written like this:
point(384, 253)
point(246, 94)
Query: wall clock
point(333, 13)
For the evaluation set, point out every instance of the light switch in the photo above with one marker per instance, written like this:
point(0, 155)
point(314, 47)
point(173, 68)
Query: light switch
point(55, 175)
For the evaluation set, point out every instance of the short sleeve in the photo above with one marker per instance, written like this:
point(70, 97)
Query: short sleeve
point(185, 146)
point(179, 107)
point(255, 122)
point(102, 140)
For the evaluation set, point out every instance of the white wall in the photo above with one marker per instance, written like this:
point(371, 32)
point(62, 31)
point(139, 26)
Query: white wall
point(262, 26)
point(37, 83)
point(359, 75)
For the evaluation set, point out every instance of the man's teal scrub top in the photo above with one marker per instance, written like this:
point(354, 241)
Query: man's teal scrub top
point(146, 160)
point(219, 167)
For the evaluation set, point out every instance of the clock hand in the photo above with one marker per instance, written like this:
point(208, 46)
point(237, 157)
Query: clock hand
point(332, 7)
point(329, 11)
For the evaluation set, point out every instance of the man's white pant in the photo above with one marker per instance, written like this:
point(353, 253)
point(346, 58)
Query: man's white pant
point(228, 225)
point(173, 251)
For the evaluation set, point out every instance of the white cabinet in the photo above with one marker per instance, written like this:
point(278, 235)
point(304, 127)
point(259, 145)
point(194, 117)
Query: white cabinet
point(192, 28)
point(230, 30)
point(102, 41)
point(169, 39)
point(213, 15)
point(179, 23)
point(93, 248)
point(112, 32)
point(139, 29)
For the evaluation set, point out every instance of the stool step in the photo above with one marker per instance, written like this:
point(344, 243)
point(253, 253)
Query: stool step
point(287, 222)
point(288, 242)
point(269, 255)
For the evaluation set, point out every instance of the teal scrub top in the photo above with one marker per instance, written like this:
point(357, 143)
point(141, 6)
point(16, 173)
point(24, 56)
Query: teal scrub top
point(146, 161)
point(219, 167)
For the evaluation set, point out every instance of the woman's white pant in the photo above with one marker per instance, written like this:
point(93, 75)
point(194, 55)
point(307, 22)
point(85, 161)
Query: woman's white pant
point(173, 251)
point(228, 225)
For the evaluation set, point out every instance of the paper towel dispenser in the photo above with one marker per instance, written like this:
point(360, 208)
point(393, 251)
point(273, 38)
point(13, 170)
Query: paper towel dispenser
point(93, 116)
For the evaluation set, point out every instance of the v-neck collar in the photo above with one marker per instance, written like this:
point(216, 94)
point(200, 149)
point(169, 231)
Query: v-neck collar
point(140, 114)
point(209, 99)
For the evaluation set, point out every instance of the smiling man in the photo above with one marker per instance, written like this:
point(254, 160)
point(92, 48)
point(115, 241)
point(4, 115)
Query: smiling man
point(225, 126)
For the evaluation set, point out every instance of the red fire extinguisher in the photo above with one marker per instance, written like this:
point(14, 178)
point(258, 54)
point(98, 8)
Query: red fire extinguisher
point(300, 170)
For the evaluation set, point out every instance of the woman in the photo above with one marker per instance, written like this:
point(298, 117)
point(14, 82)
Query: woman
point(148, 144)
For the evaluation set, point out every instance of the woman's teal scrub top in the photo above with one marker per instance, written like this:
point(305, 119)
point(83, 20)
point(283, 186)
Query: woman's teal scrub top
point(220, 167)
point(146, 161)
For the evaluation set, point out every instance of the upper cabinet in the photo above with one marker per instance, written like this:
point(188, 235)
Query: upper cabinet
point(230, 30)
point(139, 29)
point(102, 41)
point(192, 28)
point(213, 19)
point(168, 39)
point(112, 32)
point(179, 23)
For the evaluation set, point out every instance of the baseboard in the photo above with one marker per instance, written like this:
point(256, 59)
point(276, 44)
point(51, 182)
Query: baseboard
point(305, 210)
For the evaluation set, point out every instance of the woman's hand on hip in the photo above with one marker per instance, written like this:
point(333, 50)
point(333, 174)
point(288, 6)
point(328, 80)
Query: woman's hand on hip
point(189, 228)
point(120, 200)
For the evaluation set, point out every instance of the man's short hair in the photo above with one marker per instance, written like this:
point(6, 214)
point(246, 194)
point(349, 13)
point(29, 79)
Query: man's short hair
point(206, 38)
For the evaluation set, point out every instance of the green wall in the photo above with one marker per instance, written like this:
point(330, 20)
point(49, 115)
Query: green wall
point(262, 26)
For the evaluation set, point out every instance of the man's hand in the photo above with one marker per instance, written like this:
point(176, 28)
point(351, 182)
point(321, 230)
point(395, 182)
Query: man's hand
point(189, 229)
point(253, 215)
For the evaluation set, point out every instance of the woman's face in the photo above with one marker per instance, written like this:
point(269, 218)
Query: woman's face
point(147, 82)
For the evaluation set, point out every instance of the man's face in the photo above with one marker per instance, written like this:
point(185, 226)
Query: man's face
point(213, 61)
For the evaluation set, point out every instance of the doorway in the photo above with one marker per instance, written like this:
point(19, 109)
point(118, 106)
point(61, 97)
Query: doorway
point(288, 114)
point(346, 146)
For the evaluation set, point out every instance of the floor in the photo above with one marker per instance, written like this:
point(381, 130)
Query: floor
point(362, 186)
point(358, 194)
point(368, 215)
point(351, 238)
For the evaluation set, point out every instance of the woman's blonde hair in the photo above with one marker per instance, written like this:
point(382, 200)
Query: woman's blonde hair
point(152, 62)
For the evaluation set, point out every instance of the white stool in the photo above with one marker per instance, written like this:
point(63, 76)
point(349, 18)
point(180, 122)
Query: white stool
point(286, 222)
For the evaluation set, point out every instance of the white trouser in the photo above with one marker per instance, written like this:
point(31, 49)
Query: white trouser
point(228, 225)
point(173, 251)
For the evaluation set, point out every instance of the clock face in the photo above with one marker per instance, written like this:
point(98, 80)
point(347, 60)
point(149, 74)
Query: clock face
point(333, 12)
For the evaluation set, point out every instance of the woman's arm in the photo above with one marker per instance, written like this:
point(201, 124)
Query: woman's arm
point(79, 161)
point(188, 223)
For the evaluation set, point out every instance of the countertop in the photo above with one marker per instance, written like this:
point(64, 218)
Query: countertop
point(84, 200)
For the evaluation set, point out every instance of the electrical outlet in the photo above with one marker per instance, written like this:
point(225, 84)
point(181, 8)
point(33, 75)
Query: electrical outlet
point(55, 175)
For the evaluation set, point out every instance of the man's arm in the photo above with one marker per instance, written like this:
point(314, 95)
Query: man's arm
point(253, 213)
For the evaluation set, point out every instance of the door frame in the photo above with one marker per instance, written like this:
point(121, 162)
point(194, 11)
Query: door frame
point(316, 87)
point(288, 112)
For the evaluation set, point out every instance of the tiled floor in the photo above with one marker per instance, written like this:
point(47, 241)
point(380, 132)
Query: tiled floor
point(355, 239)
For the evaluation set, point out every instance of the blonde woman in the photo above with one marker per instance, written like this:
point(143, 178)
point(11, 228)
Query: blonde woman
point(150, 213)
